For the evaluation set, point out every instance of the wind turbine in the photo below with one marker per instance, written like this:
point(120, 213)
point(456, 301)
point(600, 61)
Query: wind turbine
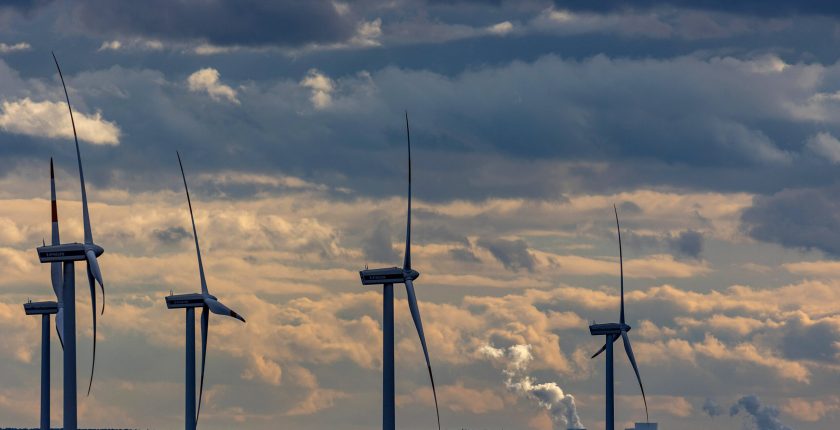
point(387, 278)
point(614, 331)
point(67, 254)
point(206, 302)
point(45, 309)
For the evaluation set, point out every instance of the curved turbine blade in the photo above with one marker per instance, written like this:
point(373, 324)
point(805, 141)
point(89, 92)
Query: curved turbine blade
point(621, 263)
point(219, 309)
point(603, 348)
point(54, 204)
point(59, 324)
point(93, 268)
point(632, 358)
point(57, 281)
point(85, 214)
point(56, 278)
point(205, 322)
point(93, 308)
point(415, 314)
point(55, 268)
point(195, 234)
point(407, 260)
point(56, 272)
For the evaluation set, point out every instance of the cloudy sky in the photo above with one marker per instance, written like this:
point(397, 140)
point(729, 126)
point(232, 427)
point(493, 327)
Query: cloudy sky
point(714, 128)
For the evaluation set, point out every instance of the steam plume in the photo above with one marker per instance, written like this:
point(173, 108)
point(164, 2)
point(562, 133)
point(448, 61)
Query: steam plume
point(712, 408)
point(764, 417)
point(549, 395)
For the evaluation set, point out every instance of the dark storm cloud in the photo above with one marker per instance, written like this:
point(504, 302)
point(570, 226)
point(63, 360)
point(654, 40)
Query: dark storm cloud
point(683, 244)
point(513, 254)
point(526, 129)
point(24, 7)
point(464, 255)
point(815, 341)
point(688, 243)
point(218, 22)
point(559, 125)
point(171, 235)
point(756, 7)
point(796, 218)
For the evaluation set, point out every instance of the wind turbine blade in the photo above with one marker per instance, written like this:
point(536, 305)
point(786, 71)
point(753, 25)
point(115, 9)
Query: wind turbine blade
point(93, 308)
point(85, 214)
point(632, 358)
point(205, 326)
point(93, 268)
point(415, 314)
point(610, 338)
point(407, 260)
point(621, 263)
point(56, 272)
point(54, 204)
point(603, 348)
point(219, 309)
point(59, 324)
point(195, 233)
point(57, 282)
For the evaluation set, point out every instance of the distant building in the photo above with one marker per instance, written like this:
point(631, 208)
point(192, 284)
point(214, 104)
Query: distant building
point(645, 426)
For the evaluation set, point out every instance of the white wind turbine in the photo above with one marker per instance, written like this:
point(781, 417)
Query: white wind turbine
point(208, 303)
point(387, 278)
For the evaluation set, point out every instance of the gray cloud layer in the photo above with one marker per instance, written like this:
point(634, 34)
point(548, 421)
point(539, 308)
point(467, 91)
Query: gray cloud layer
point(798, 218)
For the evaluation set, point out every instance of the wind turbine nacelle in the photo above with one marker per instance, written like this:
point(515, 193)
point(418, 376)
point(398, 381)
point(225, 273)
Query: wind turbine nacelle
point(391, 275)
point(181, 301)
point(61, 253)
point(40, 308)
point(608, 328)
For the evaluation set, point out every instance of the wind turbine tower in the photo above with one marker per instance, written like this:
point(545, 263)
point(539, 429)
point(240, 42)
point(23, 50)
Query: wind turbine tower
point(67, 254)
point(190, 302)
point(45, 309)
point(387, 278)
point(614, 331)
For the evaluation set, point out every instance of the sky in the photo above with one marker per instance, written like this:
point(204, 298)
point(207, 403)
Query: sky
point(713, 126)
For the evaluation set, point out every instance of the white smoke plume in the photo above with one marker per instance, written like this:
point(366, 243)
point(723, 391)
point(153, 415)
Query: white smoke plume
point(763, 417)
point(549, 395)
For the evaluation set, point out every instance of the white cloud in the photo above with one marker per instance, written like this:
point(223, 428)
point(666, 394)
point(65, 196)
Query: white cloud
point(341, 8)
point(133, 44)
point(501, 28)
point(559, 16)
point(811, 410)
point(51, 119)
point(154, 45)
point(207, 49)
point(110, 45)
point(826, 146)
point(321, 86)
point(207, 80)
point(22, 46)
point(368, 34)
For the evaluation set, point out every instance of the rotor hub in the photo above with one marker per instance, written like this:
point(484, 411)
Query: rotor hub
point(97, 250)
point(411, 274)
